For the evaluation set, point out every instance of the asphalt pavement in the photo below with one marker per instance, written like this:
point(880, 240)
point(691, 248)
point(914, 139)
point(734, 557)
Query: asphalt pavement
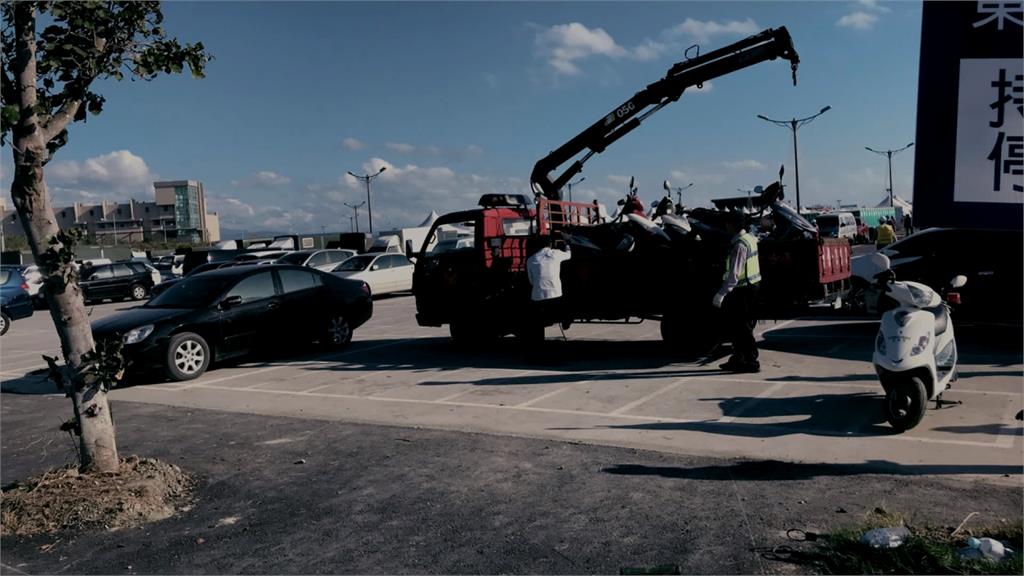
point(369, 499)
point(608, 451)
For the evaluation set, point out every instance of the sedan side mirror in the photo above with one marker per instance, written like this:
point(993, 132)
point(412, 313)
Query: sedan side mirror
point(230, 301)
point(375, 267)
point(958, 281)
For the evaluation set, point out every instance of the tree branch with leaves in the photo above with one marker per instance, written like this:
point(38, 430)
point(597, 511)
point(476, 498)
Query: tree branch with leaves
point(47, 84)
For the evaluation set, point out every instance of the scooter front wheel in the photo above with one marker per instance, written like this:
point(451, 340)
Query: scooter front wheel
point(905, 403)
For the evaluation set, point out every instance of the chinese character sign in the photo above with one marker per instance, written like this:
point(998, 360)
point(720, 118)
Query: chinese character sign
point(990, 131)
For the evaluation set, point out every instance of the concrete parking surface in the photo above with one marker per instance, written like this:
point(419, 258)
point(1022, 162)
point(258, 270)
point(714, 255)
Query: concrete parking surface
point(816, 399)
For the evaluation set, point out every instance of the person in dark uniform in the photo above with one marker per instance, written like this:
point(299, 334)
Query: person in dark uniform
point(738, 296)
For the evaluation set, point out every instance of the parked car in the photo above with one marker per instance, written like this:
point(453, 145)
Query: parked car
point(234, 311)
point(116, 281)
point(385, 273)
point(15, 301)
point(259, 256)
point(163, 286)
point(324, 260)
point(990, 259)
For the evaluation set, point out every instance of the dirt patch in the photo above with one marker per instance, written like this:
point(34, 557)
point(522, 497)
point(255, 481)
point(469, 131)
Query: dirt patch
point(143, 490)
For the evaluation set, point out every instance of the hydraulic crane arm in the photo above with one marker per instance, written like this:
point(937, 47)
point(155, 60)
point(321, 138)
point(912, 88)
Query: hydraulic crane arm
point(768, 45)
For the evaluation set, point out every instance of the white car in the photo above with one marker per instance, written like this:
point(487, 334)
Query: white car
point(384, 273)
point(323, 260)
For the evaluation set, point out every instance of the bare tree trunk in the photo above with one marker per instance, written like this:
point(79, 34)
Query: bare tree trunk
point(32, 201)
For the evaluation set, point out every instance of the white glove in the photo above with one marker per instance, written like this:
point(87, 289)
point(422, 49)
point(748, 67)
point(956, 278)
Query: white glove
point(717, 300)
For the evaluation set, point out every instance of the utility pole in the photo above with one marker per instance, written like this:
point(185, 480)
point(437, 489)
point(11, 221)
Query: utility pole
point(355, 211)
point(888, 154)
point(794, 125)
point(369, 205)
point(571, 184)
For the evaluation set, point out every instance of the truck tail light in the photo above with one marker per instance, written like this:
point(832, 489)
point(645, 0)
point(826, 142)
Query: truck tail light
point(24, 286)
point(953, 298)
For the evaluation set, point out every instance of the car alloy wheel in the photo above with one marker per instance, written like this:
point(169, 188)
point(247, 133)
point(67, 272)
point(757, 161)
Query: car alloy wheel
point(138, 292)
point(5, 323)
point(189, 357)
point(338, 331)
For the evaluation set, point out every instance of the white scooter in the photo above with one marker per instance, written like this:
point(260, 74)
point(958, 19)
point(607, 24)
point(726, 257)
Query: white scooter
point(915, 351)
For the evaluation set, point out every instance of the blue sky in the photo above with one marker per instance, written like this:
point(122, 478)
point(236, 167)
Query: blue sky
point(458, 99)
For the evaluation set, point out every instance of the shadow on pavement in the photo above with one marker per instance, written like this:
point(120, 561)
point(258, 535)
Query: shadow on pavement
point(993, 429)
point(773, 470)
point(840, 415)
point(1000, 346)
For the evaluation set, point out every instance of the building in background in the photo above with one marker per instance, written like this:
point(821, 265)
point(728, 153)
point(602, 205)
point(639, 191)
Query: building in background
point(178, 215)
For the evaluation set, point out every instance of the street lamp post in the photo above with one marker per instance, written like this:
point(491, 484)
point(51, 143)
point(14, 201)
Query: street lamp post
point(794, 125)
point(679, 192)
point(571, 184)
point(366, 178)
point(888, 154)
point(355, 212)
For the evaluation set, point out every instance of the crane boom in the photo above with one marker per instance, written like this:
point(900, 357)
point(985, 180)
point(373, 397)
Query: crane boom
point(767, 45)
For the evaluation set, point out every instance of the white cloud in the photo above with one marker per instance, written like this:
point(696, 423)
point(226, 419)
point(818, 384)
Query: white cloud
point(874, 5)
point(352, 144)
point(491, 80)
point(744, 165)
point(619, 179)
point(263, 179)
point(858, 21)
point(116, 169)
point(400, 147)
point(565, 46)
point(703, 31)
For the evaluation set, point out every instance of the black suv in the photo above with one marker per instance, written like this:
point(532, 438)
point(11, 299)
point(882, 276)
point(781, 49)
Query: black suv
point(116, 281)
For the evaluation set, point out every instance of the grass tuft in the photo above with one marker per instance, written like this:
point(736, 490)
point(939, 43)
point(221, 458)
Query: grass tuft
point(928, 550)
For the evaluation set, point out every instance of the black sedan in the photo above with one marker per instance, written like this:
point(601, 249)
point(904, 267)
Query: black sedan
point(233, 311)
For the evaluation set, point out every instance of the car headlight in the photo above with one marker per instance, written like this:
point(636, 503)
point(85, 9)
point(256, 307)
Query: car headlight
point(880, 344)
point(138, 334)
point(921, 345)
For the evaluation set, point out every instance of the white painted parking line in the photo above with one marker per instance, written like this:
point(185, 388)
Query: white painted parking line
point(659, 392)
point(776, 326)
point(753, 402)
point(614, 415)
point(533, 401)
point(287, 365)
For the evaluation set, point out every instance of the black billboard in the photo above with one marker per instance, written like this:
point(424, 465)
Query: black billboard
point(969, 161)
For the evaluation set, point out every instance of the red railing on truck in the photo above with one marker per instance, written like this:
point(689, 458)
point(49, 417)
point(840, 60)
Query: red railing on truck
point(554, 214)
point(833, 260)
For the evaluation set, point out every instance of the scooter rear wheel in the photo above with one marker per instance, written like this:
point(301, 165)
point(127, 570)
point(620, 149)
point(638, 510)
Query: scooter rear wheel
point(905, 403)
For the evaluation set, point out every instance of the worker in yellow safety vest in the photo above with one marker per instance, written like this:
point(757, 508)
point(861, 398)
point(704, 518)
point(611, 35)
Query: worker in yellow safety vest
point(884, 235)
point(738, 296)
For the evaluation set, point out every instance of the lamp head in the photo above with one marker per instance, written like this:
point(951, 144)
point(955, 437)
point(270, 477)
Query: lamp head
point(825, 109)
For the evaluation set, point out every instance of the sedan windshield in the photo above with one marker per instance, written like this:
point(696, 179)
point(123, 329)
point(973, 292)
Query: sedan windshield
point(355, 264)
point(191, 293)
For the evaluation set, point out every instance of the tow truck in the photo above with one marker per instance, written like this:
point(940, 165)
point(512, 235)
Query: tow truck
point(471, 269)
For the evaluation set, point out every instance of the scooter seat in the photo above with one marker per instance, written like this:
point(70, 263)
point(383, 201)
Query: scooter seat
point(941, 319)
